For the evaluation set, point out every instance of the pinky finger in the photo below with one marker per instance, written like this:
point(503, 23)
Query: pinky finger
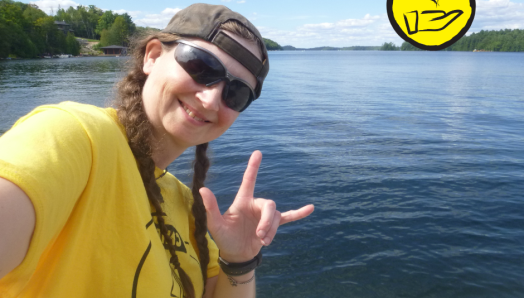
point(293, 215)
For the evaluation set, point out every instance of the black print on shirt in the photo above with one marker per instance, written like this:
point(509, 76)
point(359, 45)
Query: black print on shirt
point(140, 264)
point(173, 234)
point(179, 246)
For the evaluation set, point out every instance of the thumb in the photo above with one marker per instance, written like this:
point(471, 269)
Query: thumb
point(214, 218)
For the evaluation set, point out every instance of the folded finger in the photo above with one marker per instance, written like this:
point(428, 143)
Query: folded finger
point(214, 218)
point(273, 230)
point(293, 215)
point(268, 209)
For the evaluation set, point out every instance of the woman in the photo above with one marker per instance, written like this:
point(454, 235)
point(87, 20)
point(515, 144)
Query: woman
point(85, 209)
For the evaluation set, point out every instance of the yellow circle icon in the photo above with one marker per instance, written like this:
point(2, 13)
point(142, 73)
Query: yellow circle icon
point(431, 24)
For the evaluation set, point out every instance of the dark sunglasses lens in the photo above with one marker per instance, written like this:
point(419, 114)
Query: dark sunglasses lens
point(201, 66)
point(237, 95)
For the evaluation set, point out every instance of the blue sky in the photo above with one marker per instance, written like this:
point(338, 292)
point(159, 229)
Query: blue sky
point(306, 23)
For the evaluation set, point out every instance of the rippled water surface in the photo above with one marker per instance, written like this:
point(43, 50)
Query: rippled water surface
point(414, 161)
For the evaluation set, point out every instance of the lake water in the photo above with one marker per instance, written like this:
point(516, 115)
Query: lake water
point(414, 161)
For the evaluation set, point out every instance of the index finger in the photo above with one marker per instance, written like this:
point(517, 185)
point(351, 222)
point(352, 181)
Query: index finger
point(247, 188)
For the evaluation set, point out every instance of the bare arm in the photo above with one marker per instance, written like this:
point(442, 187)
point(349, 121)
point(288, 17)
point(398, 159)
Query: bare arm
point(17, 222)
point(220, 287)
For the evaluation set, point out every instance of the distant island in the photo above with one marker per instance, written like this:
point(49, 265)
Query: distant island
point(274, 46)
point(506, 40)
point(353, 48)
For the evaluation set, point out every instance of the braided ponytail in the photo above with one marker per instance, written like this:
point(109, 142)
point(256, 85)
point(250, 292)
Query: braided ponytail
point(132, 116)
point(200, 166)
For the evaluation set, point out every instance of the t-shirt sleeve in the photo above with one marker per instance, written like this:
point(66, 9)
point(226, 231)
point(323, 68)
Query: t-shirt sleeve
point(48, 155)
point(212, 268)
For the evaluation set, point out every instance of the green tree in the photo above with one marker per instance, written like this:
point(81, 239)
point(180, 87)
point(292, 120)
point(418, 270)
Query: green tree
point(389, 46)
point(15, 28)
point(130, 25)
point(271, 45)
point(105, 21)
point(72, 45)
point(33, 13)
point(118, 34)
point(406, 46)
point(120, 31)
point(105, 39)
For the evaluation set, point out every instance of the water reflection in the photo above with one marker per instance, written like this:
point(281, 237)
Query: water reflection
point(26, 84)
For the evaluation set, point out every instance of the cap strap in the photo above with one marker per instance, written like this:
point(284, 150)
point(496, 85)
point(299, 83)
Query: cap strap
point(237, 51)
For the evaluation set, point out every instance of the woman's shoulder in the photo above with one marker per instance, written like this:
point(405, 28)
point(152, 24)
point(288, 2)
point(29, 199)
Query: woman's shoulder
point(67, 111)
point(83, 112)
point(94, 120)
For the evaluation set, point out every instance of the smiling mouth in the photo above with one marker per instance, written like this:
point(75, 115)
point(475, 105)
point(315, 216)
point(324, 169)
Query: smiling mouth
point(193, 115)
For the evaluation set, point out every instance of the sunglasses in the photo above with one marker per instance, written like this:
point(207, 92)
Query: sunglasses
point(205, 68)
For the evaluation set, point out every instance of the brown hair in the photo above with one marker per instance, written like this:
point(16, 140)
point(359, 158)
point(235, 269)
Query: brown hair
point(131, 113)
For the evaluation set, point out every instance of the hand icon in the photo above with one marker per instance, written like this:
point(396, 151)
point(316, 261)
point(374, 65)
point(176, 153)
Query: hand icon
point(430, 20)
point(249, 223)
point(431, 25)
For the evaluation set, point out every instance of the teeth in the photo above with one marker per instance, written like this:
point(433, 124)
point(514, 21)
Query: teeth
point(192, 115)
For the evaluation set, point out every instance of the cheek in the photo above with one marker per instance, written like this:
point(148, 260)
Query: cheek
point(228, 116)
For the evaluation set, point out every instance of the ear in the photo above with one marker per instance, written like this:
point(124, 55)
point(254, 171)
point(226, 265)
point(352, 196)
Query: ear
point(153, 52)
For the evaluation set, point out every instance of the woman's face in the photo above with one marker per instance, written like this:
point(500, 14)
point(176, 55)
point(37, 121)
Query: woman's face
point(182, 112)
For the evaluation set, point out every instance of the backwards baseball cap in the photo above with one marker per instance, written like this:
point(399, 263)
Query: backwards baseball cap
point(204, 20)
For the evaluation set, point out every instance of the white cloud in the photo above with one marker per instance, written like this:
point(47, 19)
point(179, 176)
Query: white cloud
point(370, 30)
point(498, 14)
point(51, 6)
point(133, 14)
point(159, 20)
point(241, 1)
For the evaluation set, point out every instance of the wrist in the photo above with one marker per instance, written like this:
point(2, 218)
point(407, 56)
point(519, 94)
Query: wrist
point(234, 258)
point(244, 277)
point(241, 279)
point(239, 268)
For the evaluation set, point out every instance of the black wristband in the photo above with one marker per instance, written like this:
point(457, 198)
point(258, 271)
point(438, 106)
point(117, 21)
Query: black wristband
point(236, 269)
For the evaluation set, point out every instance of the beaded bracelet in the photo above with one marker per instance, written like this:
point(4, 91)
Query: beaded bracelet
point(234, 283)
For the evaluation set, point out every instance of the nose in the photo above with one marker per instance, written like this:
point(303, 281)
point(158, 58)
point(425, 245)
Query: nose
point(211, 96)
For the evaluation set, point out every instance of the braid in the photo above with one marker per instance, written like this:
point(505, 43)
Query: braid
point(139, 131)
point(132, 116)
point(200, 165)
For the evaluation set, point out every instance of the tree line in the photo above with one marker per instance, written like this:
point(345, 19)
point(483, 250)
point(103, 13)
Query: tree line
point(93, 23)
point(26, 31)
point(389, 46)
point(506, 40)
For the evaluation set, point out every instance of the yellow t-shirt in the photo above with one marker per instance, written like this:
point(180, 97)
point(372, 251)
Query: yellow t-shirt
point(94, 235)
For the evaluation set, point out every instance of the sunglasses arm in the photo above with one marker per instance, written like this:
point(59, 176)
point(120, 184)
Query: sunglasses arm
point(213, 83)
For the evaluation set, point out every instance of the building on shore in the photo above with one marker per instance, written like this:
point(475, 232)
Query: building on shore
point(64, 27)
point(114, 50)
